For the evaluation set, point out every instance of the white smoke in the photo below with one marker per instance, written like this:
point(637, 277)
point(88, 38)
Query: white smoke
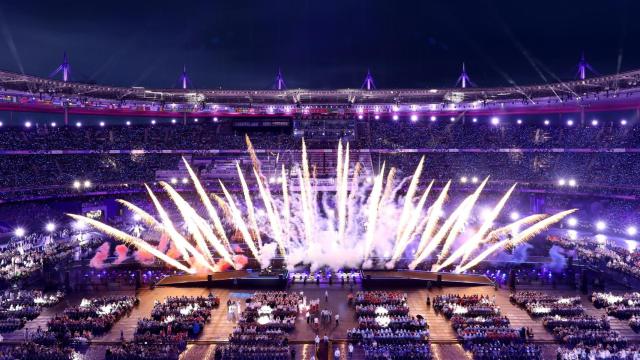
point(558, 260)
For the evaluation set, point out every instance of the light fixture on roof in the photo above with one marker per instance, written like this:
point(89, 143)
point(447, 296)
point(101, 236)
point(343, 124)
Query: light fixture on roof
point(601, 225)
point(547, 122)
point(519, 121)
point(50, 227)
point(570, 122)
point(594, 122)
point(572, 221)
point(495, 120)
point(414, 117)
point(632, 231)
point(395, 117)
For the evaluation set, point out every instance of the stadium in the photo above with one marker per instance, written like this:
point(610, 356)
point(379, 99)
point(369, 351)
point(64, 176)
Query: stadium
point(363, 222)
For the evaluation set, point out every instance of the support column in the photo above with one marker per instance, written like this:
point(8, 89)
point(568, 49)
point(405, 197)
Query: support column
point(368, 83)
point(464, 79)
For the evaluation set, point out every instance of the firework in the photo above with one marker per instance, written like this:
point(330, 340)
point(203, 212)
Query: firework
point(363, 222)
point(520, 238)
point(128, 239)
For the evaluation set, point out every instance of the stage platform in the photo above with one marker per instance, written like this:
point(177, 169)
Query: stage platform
point(402, 278)
point(228, 279)
point(279, 280)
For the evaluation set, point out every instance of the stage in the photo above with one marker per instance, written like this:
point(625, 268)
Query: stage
point(279, 280)
point(228, 279)
point(404, 278)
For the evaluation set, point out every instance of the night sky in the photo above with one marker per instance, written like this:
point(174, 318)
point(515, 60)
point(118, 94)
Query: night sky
point(321, 43)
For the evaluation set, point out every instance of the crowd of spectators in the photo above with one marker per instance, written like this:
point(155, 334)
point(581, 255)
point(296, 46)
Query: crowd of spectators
point(178, 315)
point(580, 334)
point(484, 332)
point(602, 254)
point(24, 172)
point(500, 351)
point(385, 329)
point(616, 169)
point(623, 306)
point(468, 306)
point(262, 327)
point(634, 323)
point(21, 257)
point(608, 172)
point(599, 352)
point(19, 306)
point(442, 134)
point(565, 317)
point(165, 333)
point(93, 317)
point(583, 321)
point(543, 304)
point(33, 351)
point(143, 137)
point(151, 350)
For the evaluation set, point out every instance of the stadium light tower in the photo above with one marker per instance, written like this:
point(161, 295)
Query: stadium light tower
point(368, 81)
point(64, 68)
point(279, 82)
point(463, 80)
point(184, 79)
point(583, 66)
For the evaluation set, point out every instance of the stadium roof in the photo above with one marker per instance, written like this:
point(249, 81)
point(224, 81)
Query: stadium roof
point(572, 90)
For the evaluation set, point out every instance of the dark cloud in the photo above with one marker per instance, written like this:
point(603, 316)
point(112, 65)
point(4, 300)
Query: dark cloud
point(329, 43)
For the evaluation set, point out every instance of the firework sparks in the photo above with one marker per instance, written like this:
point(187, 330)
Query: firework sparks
point(520, 238)
point(363, 223)
point(138, 243)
